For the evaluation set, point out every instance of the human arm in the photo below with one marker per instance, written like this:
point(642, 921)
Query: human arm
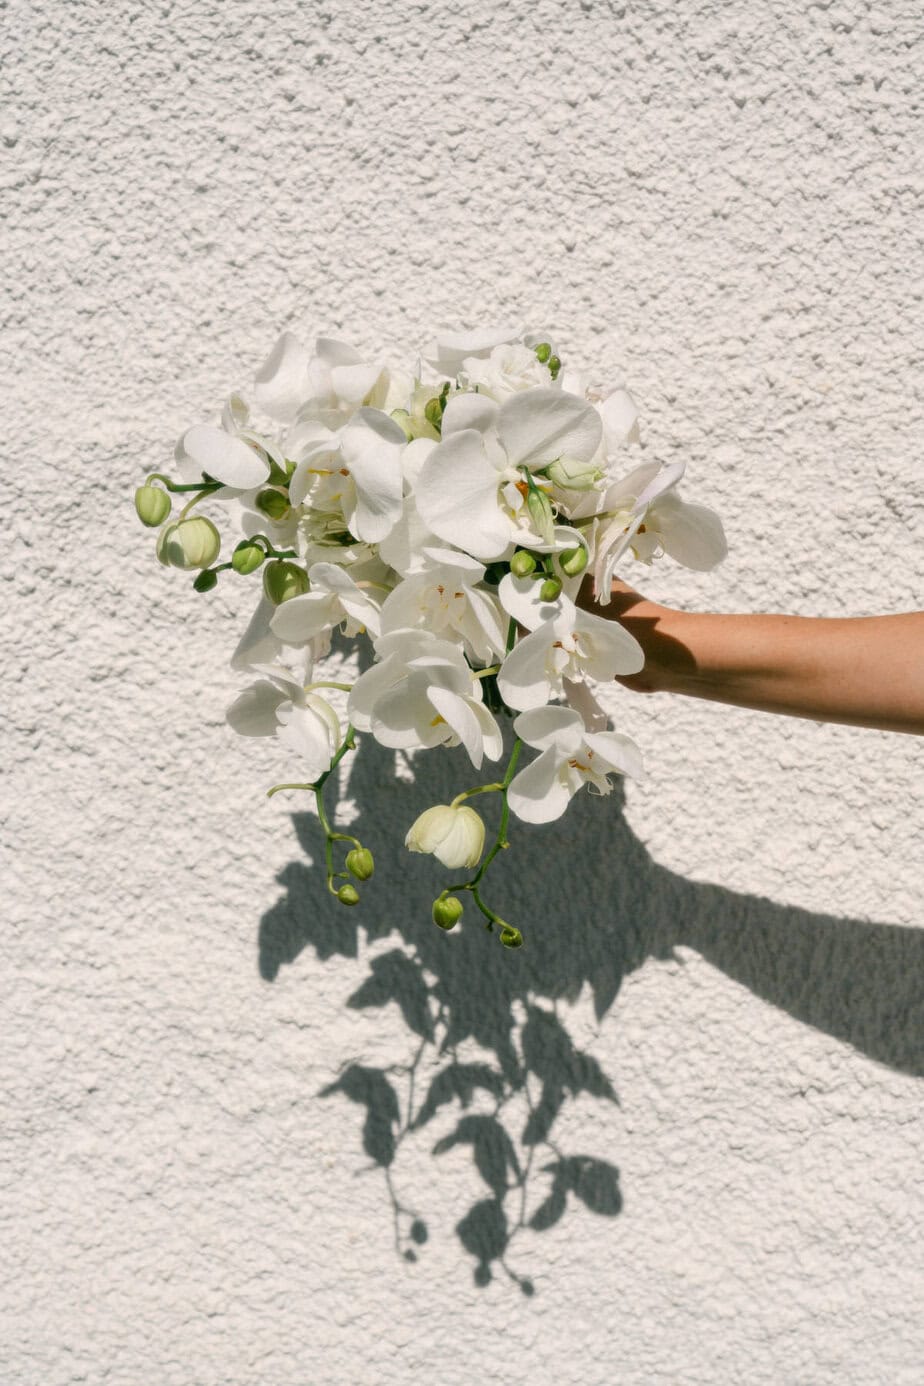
point(865, 671)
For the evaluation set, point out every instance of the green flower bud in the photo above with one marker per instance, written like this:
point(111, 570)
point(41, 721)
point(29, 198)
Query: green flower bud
point(247, 557)
point(511, 937)
point(403, 419)
point(273, 504)
point(447, 911)
point(193, 543)
point(543, 352)
point(348, 895)
point(540, 514)
point(152, 505)
point(283, 580)
point(433, 412)
point(360, 863)
point(206, 580)
point(554, 366)
point(550, 590)
point(573, 561)
point(522, 563)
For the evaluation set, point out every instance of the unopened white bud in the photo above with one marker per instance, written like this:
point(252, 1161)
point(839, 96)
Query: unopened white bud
point(572, 474)
point(191, 543)
point(455, 836)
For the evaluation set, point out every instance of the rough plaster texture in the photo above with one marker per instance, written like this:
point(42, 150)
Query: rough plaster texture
point(716, 200)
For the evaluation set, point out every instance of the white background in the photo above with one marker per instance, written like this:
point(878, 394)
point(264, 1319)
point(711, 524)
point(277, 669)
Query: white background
point(714, 202)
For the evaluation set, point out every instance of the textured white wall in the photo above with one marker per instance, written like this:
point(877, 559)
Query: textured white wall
point(715, 199)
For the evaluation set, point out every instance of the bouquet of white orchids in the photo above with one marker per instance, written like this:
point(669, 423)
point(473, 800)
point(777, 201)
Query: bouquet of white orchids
point(448, 517)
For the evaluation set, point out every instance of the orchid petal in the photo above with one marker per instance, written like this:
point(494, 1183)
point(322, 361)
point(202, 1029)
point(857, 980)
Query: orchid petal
point(225, 458)
point(537, 426)
point(403, 718)
point(524, 680)
point(371, 445)
point(356, 602)
point(414, 456)
point(690, 534)
point(301, 618)
point(454, 558)
point(457, 712)
point(457, 497)
point(665, 480)
point(450, 349)
point(521, 599)
point(253, 712)
point(614, 752)
point(620, 419)
point(334, 353)
point(401, 549)
point(606, 647)
point(469, 410)
point(582, 700)
point(282, 382)
point(540, 793)
point(487, 617)
point(307, 731)
point(551, 727)
point(369, 688)
point(258, 644)
point(353, 383)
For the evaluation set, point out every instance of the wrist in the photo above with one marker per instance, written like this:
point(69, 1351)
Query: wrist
point(660, 630)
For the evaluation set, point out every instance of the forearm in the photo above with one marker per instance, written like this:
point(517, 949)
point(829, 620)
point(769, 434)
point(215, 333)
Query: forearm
point(864, 671)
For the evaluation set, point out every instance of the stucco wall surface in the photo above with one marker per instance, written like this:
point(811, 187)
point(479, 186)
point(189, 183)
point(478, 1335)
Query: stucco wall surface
point(230, 1152)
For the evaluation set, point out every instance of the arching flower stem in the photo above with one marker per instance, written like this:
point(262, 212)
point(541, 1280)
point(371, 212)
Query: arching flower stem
point(510, 937)
point(317, 787)
point(206, 487)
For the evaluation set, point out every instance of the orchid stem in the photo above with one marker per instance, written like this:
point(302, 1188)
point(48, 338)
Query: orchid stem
point(317, 787)
point(203, 491)
point(510, 936)
point(469, 793)
point(327, 683)
point(177, 486)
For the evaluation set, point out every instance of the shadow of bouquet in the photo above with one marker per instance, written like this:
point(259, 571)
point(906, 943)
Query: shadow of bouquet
point(487, 1038)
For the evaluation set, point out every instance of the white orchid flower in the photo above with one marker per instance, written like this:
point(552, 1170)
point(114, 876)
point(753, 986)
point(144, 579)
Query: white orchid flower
point(355, 470)
point(566, 643)
point(508, 369)
point(422, 693)
point(451, 348)
point(334, 380)
point(471, 490)
point(642, 512)
point(617, 408)
point(259, 647)
point(279, 705)
point(453, 834)
point(571, 757)
point(333, 598)
point(445, 598)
